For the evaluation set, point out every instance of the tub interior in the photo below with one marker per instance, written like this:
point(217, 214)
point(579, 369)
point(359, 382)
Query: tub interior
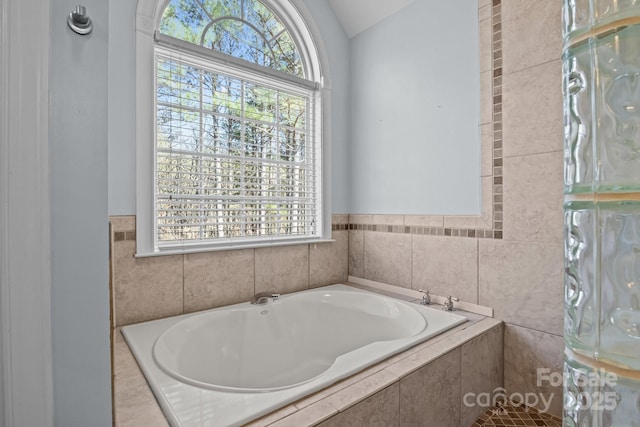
point(282, 344)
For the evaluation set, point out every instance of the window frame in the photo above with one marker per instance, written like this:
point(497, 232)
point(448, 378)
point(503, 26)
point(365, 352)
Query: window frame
point(296, 19)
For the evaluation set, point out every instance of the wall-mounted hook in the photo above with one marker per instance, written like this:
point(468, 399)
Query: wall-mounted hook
point(79, 21)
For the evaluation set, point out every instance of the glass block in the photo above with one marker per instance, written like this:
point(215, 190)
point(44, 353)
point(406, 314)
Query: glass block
point(580, 284)
point(596, 397)
point(578, 119)
point(625, 392)
point(577, 393)
point(618, 110)
point(607, 11)
point(620, 283)
point(575, 17)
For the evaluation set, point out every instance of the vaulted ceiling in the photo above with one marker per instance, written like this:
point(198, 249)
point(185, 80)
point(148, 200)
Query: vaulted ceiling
point(358, 15)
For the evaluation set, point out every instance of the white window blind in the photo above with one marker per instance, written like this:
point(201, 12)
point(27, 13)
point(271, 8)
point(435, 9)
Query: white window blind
point(237, 155)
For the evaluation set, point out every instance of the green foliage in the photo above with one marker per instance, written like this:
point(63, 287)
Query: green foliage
point(253, 32)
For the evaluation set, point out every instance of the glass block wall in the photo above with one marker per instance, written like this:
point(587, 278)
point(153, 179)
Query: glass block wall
point(601, 85)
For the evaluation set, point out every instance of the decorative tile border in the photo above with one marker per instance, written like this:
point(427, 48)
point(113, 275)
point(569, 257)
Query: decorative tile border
point(338, 224)
point(476, 233)
point(496, 40)
point(121, 236)
point(495, 226)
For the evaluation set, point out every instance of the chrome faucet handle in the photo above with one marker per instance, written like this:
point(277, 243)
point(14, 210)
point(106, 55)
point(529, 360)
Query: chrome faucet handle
point(275, 297)
point(426, 298)
point(448, 304)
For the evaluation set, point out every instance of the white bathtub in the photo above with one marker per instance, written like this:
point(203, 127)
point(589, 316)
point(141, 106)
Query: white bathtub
point(230, 365)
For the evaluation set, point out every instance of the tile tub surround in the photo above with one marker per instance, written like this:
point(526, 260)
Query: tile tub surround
point(156, 287)
point(373, 396)
point(519, 271)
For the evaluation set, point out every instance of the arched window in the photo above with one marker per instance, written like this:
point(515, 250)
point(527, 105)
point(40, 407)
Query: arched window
point(237, 144)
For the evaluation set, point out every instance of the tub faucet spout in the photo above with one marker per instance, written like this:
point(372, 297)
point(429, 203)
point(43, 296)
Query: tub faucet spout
point(263, 297)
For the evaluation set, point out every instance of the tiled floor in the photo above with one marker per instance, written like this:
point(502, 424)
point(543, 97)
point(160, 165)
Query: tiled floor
point(516, 416)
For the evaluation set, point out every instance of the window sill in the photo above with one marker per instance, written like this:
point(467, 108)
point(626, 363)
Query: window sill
point(194, 249)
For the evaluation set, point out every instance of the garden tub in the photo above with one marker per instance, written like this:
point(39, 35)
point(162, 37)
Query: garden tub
point(229, 365)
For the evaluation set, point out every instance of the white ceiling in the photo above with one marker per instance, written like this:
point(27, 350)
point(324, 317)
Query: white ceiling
point(358, 15)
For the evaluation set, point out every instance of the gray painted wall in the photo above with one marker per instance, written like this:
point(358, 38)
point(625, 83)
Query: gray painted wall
point(415, 101)
point(79, 220)
point(122, 149)
point(122, 107)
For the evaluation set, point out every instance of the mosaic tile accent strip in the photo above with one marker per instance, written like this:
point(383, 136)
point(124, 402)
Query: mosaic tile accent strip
point(496, 39)
point(122, 236)
point(479, 233)
point(517, 416)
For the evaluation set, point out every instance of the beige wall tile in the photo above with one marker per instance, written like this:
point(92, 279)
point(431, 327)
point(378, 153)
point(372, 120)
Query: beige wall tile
point(533, 198)
point(123, 222)
point(309, 416)
point(531, 33)
point(446, 266)
point(356, 253)
point(134, 402)
point(424, 220)
point(482, 367)
point(523, 282)
point(483, 3)
point(387, 258)
point(215, 279)
point(145, 288)
point(484, 39)
point(381, 409)
point(431, 395)
point(360, 219)
point(388, 219)
point(340, 219)
point(532, 110)
point(272, 417)
point(486, 154)
point(282, 269)
point(525, 351)
point(329, 262)
point(127, 374)
point(484, 13)
point(486, 97)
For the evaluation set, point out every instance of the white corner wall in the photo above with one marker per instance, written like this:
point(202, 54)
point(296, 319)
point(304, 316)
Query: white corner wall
point(26, 395)
point(79, 218)
point(415, 102)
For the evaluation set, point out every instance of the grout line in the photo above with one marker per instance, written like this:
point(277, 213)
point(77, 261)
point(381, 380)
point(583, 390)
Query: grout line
point(532, 329)
point(309, 262)
point(478, 272)
point(533, 154)
point(183, 292)
point(348, 247)
point(532, 66)
point(364, 235)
